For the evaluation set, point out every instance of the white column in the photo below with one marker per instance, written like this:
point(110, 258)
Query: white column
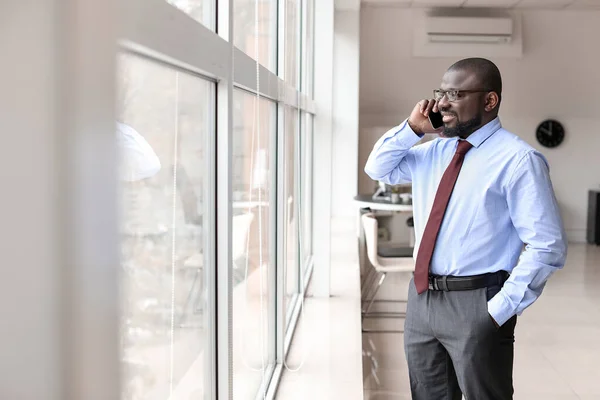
point(324, 24)
point(59, 293)
point(345, 111)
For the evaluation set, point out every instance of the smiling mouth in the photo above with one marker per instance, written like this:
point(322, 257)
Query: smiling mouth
point(448, 117)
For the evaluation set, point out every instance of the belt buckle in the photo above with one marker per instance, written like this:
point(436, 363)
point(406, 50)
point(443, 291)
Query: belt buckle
point(435, 284)
point(432, 285)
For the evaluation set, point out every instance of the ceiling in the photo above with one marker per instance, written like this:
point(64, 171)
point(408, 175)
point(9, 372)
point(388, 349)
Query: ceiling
point(517, 4)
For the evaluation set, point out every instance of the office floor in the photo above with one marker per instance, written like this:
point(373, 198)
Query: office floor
point(557, 348)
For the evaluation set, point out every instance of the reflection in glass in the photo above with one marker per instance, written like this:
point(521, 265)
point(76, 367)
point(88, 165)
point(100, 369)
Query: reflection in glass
point(306, 140)
point(308, 50)
point(202, 11)
point(244, 30)
point(292, 41)
point(290, 195)
point(164, 117)
point(252, 236)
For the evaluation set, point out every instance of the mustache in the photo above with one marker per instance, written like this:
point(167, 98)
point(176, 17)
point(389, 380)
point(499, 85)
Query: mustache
point(448, 112)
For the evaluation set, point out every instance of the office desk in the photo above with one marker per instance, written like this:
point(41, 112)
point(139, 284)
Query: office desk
point(249, 204)
point(366, 203)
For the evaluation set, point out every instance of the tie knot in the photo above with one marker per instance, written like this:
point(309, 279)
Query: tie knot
point(463, 147)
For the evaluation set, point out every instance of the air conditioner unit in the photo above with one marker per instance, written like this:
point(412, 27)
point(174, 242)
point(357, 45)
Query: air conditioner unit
point(449, 29)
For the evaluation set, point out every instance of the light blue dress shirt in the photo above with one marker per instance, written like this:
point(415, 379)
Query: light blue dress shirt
point(503, 200)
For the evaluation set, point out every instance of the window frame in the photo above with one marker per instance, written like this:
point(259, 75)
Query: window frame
point(153, 29)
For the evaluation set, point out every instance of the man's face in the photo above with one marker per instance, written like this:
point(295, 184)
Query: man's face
point(464, 115)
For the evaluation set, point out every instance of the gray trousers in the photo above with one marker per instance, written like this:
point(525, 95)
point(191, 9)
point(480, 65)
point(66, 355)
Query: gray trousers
point(453, 347)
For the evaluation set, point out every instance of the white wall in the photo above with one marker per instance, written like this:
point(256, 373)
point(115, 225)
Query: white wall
point(557, 77)
point(345, 112)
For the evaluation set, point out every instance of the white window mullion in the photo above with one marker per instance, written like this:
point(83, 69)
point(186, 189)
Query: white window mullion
point(210, 246)
point(281, 201)
point(323, 126)
point(224, 210)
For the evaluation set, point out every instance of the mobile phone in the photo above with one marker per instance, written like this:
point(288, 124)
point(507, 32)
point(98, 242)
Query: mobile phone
point(436, 119)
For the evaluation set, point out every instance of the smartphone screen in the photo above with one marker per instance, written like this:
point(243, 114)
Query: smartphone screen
point(436, 119)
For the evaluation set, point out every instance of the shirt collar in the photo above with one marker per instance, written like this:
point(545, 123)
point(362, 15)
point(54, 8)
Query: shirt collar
point(481, 134)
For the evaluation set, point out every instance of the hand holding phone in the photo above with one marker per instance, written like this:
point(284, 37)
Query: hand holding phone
point(421, 119)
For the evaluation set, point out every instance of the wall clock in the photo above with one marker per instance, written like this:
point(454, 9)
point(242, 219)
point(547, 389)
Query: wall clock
point(550, 133)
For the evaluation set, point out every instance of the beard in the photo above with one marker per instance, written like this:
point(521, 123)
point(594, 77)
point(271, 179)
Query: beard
point(463, 129)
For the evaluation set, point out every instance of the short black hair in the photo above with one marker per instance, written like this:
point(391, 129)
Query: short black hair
point(486, 71)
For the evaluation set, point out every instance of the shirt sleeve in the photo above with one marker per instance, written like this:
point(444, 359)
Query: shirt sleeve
point(393, 156)
point(138, 159)
point(536, 217)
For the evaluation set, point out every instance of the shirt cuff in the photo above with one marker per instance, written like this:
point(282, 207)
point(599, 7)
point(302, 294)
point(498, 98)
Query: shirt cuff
point(402, 134)
point(500, 309)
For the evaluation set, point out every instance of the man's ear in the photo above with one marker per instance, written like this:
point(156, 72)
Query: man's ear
point(491, 101)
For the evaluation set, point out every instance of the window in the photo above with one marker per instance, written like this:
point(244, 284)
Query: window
point(164, 118)
point(244, 28)
point(292, 41)
point(253, 230)
point(291, 207)
point(178, 188)
point(306, 140)
point(203, 11)
point(308, 52)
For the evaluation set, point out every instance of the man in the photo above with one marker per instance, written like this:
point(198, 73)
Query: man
point(479, 194)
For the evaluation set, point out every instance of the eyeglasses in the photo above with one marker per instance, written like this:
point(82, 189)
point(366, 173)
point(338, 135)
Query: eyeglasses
point(453, 95)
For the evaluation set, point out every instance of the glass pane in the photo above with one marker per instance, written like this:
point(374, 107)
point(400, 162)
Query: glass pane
point(306, 138)
point(253, 233)
point(292, 41)
point(290, 196)
point(164, 117)
point(309, 49)
point(244, 30)
point(202, 11)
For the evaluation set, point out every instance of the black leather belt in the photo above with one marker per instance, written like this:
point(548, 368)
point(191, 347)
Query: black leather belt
point(450, 283)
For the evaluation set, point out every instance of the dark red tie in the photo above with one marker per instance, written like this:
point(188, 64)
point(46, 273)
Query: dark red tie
point(437, 216)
